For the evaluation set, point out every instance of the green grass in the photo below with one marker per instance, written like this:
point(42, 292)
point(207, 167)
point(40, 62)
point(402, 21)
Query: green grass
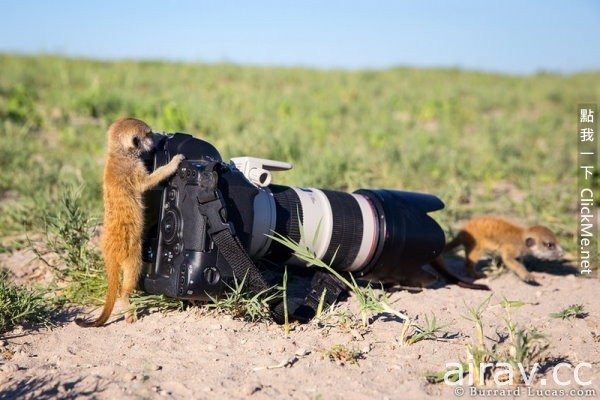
point(20, 305)
point(68, 231)
point(430, 330)
point(573, 311)
point(463, 136)
point(452, 133)
point(522, 348)
point(239, 303)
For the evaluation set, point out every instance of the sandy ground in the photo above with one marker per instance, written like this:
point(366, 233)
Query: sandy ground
point(195, 354)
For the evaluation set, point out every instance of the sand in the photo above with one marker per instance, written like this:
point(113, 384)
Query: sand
point(196, 354)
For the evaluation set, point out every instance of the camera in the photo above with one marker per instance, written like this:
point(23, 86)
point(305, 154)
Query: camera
point(376, 234)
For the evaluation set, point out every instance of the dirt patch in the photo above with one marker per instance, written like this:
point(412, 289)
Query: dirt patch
point(25, 268)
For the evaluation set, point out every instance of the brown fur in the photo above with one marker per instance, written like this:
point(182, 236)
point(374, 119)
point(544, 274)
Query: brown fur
point(483, 234)
point(125, 180)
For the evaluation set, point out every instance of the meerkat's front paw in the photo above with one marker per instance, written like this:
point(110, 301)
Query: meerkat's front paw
point(177, 159)
point(174, 163)
point(529, 279)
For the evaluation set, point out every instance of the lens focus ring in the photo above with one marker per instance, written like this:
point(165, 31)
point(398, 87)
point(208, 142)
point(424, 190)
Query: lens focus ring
point(347, 233)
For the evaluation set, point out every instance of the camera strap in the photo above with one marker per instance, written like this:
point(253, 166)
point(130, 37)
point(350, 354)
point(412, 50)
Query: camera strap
point(324, 288)
point(212, 205)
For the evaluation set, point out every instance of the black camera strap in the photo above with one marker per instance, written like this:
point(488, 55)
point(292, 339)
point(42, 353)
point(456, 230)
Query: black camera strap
point(240, 262)
point(324, 288)
point(212, 205)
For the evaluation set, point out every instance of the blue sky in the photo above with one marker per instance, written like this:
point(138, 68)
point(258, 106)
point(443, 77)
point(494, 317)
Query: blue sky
point(517, 37)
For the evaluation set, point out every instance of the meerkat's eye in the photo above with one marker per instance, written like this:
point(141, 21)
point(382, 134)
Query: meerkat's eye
point(550, 245)
point(136, 142)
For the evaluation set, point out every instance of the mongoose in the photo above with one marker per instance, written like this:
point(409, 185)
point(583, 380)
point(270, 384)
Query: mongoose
point(125, 179)
point(486, 233)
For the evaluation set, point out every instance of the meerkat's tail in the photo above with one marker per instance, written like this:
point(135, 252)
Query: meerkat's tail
point(111, 298)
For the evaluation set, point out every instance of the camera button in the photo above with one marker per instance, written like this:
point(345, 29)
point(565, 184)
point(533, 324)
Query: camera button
point(211, 275)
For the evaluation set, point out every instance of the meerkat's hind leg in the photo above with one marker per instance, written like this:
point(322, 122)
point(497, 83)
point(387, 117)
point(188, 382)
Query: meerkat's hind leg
point(462, 238)
point(472, 254)
point(131, 273)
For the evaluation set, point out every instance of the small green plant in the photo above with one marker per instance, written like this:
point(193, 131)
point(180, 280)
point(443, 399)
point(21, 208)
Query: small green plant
point(528, 348)
point(478, 353)
point(321, 304)
point(69, 229)
point(510, 325)
point(160, 303)
point(340, 316)
point(523, 350)
point(428, 331)
point(475, 314)
point(20, 305)
point(525, 347)
point(343, 355)
point(286, 320)
point(438, 377)
point(573, 311)
point(239, 303)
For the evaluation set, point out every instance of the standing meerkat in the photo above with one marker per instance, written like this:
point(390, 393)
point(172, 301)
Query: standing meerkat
point(486, 233)
point(125, 179)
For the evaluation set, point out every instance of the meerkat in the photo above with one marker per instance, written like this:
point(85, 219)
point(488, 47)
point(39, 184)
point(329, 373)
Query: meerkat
point(125, 179)
point(512, 242)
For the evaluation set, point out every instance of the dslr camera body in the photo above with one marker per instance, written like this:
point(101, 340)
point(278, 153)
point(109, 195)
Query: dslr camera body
point(379, 235)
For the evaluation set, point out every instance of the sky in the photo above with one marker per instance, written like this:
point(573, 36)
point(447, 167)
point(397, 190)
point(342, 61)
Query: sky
point(507, 36)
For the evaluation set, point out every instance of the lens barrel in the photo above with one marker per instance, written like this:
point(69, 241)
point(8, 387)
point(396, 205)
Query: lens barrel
point(382, 235)
point(332, 224)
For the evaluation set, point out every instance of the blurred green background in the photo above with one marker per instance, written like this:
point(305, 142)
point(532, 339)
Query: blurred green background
point(483, 142)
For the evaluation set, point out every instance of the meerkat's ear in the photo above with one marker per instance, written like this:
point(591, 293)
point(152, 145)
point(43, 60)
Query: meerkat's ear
point(529, 242)
point(130, 143)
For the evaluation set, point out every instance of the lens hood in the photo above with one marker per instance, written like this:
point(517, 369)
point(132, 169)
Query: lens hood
point(408, 237)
